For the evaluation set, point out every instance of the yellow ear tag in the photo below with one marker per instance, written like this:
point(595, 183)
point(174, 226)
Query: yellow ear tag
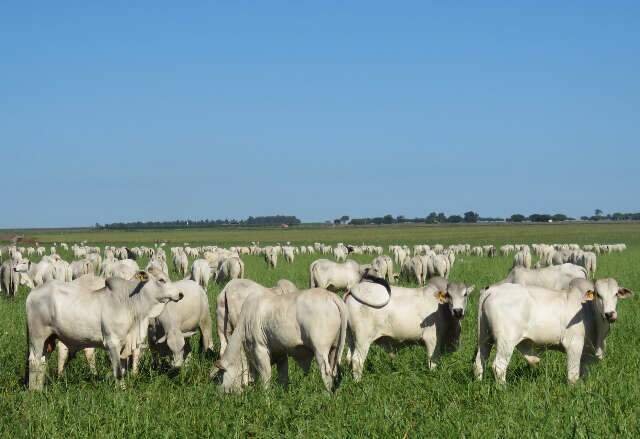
point(442, 298)
point(589, 295)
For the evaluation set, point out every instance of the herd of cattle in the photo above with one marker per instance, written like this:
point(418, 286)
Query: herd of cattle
point(103, 299)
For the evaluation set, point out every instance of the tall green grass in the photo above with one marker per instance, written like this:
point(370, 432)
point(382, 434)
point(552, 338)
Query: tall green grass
point(398, 396)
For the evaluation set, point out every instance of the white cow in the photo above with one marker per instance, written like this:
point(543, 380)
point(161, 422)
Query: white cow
point(82, 318)
point(170, 331)
point(201, 272)
point(230, 300)
point(555, 277)
point(303, 325)
point(530, 318)
point(334, 276)
point(431, 315)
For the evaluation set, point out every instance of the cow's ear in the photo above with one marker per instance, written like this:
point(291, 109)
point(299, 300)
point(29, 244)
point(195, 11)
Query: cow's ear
point(142, 276)
point(440, 296)
point(470, 289)
point(624, 293)
point(589, 295)
point(218, 365)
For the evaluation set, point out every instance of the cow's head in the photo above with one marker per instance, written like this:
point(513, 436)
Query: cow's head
point(605, 295)
point(456, 296)
point(22, 266)
point(158, 284)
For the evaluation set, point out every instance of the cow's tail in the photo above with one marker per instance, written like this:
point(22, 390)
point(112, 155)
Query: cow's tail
point(483, 324)
point(342, 309)
point(25, 379)
point(312, 283)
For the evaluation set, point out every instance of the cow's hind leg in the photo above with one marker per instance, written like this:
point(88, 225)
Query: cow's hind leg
point(322, 358)
point(485, 344)
point(504, 350)
point(358, 357)
point(63, 355)
point(40, 347)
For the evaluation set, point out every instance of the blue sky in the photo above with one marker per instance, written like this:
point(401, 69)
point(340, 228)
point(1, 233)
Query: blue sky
point(228, 109)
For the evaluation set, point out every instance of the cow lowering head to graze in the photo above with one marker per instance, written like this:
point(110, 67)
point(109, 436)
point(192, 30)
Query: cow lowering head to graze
point(530, 319)
point(232, 297)
point(304, 325)
point(83, 318)
point(389, 315)
point(169, 333)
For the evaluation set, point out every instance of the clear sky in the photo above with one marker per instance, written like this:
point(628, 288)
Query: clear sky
point(110, 112)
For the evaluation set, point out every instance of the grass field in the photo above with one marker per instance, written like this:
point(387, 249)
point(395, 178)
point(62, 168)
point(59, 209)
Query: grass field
point(398, 397)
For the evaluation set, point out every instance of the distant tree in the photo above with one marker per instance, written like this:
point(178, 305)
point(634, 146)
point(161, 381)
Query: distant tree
point(455, 219)
point(401, 219)
point(598, 212)
point(442, 218)
point(432, 218)
point(539, 218)
point(517, 218)
point(336, 221)
point(559, 217)
point(471, 217)
point(387, 219)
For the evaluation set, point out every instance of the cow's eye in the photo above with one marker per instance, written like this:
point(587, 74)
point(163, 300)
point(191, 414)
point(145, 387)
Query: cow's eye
point(163, 281)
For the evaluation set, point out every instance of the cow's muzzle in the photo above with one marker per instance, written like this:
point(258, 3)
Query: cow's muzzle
point(458, 313)
point(611, 316)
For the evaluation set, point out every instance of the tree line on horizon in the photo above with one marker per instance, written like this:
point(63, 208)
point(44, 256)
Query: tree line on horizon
point(469, 217)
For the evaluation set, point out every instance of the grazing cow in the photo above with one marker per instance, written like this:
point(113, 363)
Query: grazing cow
point(9, 278)
point(303, 325)
point(382, 266)
point(230, 268)
point(81, 267)
point(81, 318)
point(555, 277)
point(271, 256)
point(588, 261)
point(431, 314)
point(201, 272)
point(125, 269)
point(334, 276)
point(529, 318)
point(288, 253)
point(230, 300)
point(181, 263)
point(522, 258)
point(170, 331)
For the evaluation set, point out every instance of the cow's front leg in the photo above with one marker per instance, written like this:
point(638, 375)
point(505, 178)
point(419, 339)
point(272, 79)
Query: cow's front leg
point(358, 357)
point(573, 346)
point(504, 350)
point(432, 344)
point(262, 363)
point(113, 347)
